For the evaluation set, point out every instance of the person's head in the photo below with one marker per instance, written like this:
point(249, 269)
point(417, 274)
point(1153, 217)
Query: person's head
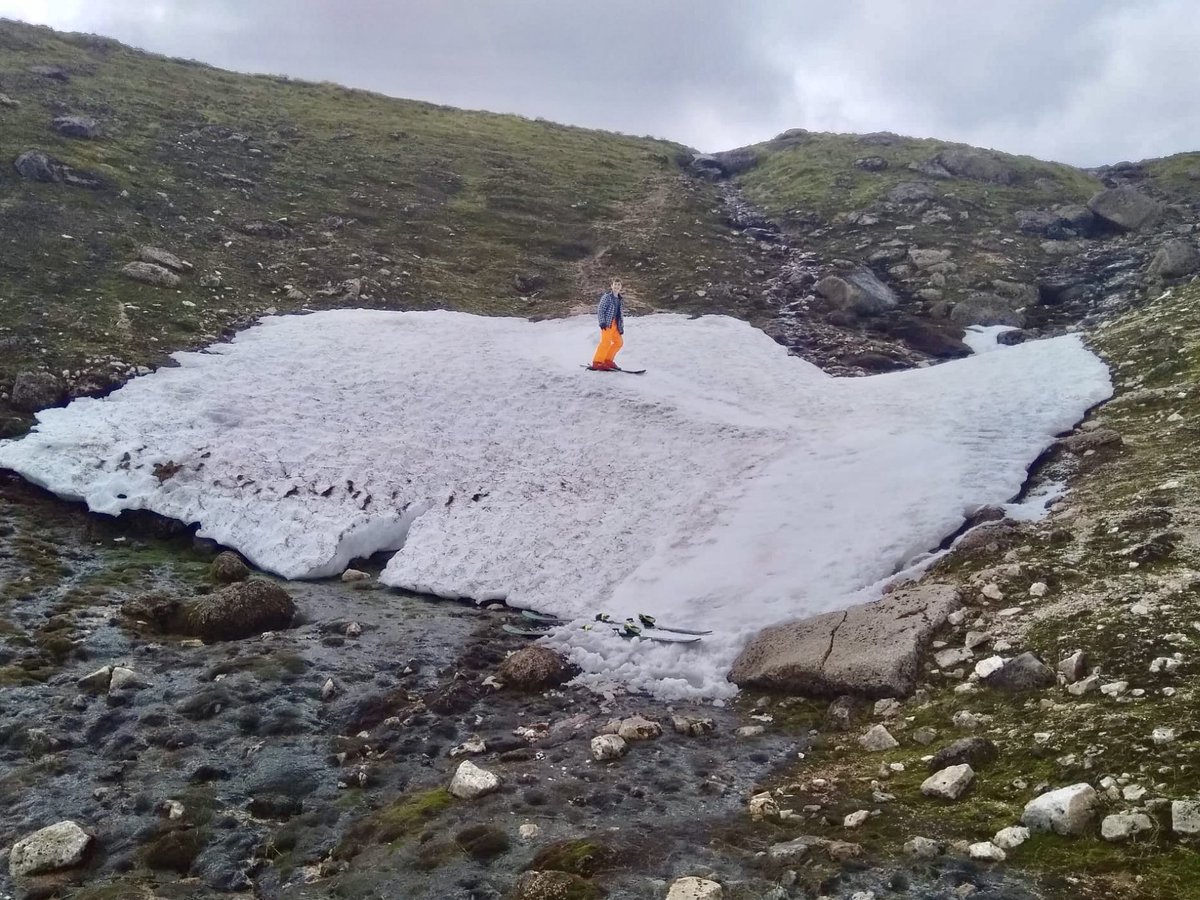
point(616, 285)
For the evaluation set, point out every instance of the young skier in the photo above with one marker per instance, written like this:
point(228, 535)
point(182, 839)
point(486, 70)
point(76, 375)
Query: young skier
point(612, 327)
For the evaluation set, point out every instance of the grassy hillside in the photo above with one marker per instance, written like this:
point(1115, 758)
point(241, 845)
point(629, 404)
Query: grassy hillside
point(429, 206)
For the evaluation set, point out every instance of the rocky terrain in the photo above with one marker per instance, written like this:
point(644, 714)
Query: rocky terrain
point(185, 728)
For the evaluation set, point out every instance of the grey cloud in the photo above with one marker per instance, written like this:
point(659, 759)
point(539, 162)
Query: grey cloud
point(1086, 81)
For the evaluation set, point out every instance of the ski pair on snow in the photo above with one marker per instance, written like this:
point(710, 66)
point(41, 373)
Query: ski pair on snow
point(648, 628)
point(617, 369)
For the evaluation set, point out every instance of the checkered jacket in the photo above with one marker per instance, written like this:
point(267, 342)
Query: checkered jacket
point(610, 311)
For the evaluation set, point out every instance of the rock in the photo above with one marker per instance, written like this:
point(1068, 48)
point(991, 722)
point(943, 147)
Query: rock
point(1123, 826)
point(840, 851)
point(694, 889)
point(871, 164)
point(949, 783)
point(763, 806)
point(149, 273)
point(237, 611)
point(981, 308)
point(986, 667)
point(911, 192)
point(1174, 259)
point(553, 886)
point(533, 669)
point(351, 576)
point(165, 259)
point(35, 165)
point(608, 746)
point(97, 682)
point(1066, 811)
point(329, 690)
point(922, 848)
point(986, 851)
point(928, 258)
point(952, 656)
point(638, 728)
point(1126, 208)
point(1073, 667)
point(725, 164)
point(60, 846)
point(878, 739)
point(1185, 817)
point(529, 831)
point(8, 102)
point(749, 731)
point(259, 228)
point(228, 568)
point(935, 339)
point(1021, 673)
point(842, 712)
point(856, 819)
point(692, 727)
point(978, 752)
point(860, 293)
point(125, 679)
point(76, 127)
point(470, 781)
point(871, 650)
point(977, 165)
point(925, 735)
point(35, 391)
point(54, 73)
point(794, 851)
point(1010, 838)
point(1084, 686)
point(1163, 735)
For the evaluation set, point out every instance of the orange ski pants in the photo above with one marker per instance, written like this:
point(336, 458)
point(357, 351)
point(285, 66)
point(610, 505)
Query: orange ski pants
point(611, 343)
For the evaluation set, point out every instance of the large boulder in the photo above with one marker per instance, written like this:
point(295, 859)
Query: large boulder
point(1174, 259)
point(149, 273)
point(911, 192)
point(35, 391)
point(977, 165)
point(1066, 811)
point(859, 292)
point(982, 308)
point(532, 669)
point(1126, 208)
point(76, 127)
point(56, 847)
point(238, 611)
point(870, 650)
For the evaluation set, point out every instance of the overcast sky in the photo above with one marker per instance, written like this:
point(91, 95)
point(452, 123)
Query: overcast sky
point(1082, 81)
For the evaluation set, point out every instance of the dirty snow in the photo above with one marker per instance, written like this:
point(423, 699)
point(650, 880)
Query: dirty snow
point(731, 487)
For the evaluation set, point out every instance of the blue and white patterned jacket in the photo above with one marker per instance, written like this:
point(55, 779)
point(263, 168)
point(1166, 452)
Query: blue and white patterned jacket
point(610, 311)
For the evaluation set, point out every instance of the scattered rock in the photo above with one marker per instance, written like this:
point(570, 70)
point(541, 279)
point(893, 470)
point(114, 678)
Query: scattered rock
point(856, 819)
point(35, 391)
point(35, 165)
point(1010, 838)
point(794, 851)
point(922, 848)
point(871, 649)
point(694, 889)
point(1126, 208)
point(351, 576)
point(533, 669)
point(1066, 811)
point(986, 309)
point(928, 258)
point(1021, 673)
point(60, 846)
point(693, 727)
point(1073, 667)
point(638, 728)
point(228, 568)
point(97, 682)
point(763, 806)
point(949, 783)
point(1185, 817)
point(606, 747)
point(951, 657)
point(871, 164)
point(977, 165)
point(860, 293)
point(978, 752)
point(76, 127)
point(167, 260)
point(554, 886)
point(470, 781)
point(1123, 826)
point(149, 273)
point(878, 739)
point(125, 679)
point(986, 851)
point(1174, 259)
point(237, 611)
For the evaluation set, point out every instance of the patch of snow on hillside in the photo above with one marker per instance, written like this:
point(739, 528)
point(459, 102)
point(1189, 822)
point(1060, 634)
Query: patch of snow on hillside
point(731, 487)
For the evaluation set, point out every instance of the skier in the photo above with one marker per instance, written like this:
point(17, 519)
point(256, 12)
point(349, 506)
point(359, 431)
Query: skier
point(612, 327)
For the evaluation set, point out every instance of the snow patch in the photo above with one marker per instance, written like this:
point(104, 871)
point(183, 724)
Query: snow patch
point(985, 338)
point(731, 487)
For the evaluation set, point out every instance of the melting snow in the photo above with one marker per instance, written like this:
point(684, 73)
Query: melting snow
point(731, 487)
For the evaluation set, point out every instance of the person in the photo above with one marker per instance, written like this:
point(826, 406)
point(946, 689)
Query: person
point(612, 328)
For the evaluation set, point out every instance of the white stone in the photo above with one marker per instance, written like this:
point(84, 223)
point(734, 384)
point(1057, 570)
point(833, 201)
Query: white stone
point(1164, 664)
point(976, 639)
point(887, 708)
point(352, 575)
point(55, 847)
point(992, 591)
point(791, 852)
point(966, 719)
point(1010, 612)
point(948, 659)
point(1123, 826)
point(608, 746)
point(1010, 838)
point(1163, 735)
point(1185, 816)
point(748, 731)
point(1114, 688)
point(878, 739)
point(1066, 811)
point(529, 831)
point(639, 728)
point(96, 681)
point(1038, 589)
point(125, 679)
point(987, 852)
point(694, 889)
point(1084, 686)
point(470, 781)
point(329, 689)
point(922, 848)
point(949, 783)
point(856, 819)
point(763, 806)
point(986, 667)
point(470, 747)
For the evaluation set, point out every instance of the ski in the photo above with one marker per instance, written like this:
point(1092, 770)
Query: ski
point(626, 371)
point(646, 622)
point(622, 632)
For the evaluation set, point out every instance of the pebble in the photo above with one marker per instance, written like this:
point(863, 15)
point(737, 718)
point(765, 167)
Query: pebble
point(639, 728)
point(470, 781)
point(125, 679)
point(922, 848)
point(856, 819)
point(1038, 589)
point(352, 575)
point(986, 667)
point(608, 747)
point(329, 689)
point(529, 831)
point(1010, 838)
point(747, 731)
point(1084, 686)
point(992, 591)
point(986, 851)
point(1163, 735)
point(1114, 688)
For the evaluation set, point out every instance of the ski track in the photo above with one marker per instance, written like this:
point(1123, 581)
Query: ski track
point(731, 487)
